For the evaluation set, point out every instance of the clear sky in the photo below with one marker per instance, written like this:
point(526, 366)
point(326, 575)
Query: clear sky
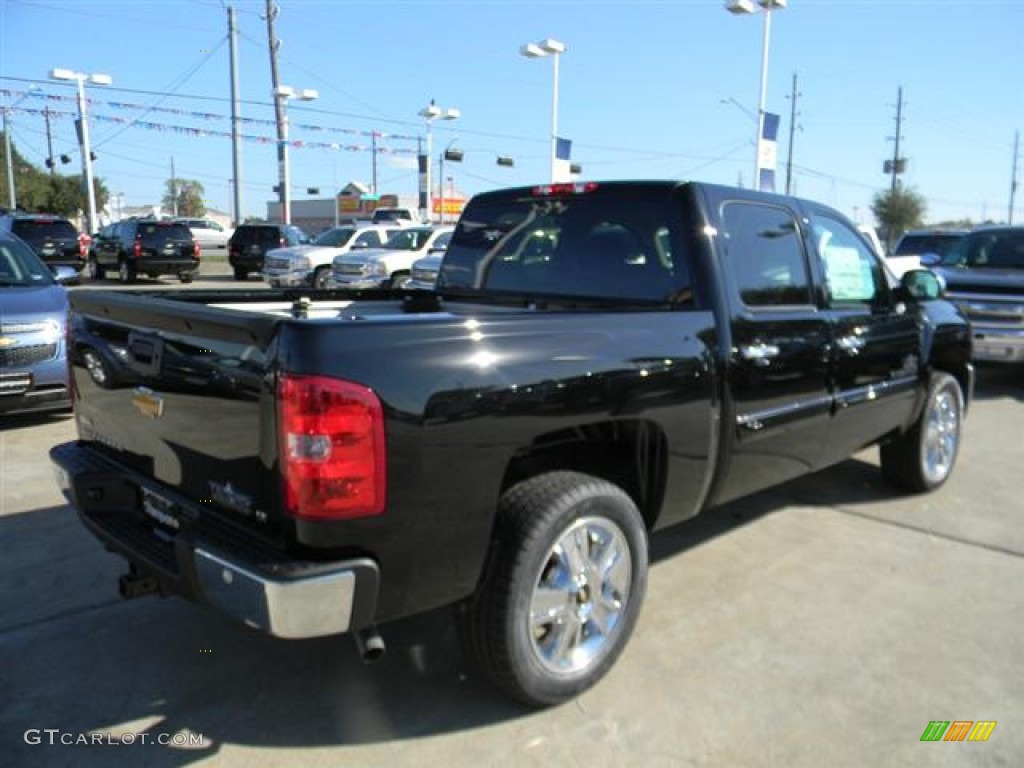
point(648, 89)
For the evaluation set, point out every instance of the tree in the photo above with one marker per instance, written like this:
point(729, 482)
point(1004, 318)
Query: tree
point(896, 211)
point(44, 192)
point(188, 194)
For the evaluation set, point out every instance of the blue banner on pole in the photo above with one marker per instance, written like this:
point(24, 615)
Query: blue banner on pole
point(563, 148)
point(768, 152)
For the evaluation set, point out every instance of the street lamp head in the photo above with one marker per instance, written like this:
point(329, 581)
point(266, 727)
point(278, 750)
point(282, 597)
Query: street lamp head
point(283, 92)
point(542, 49)
point(740, 6)
point(99, 79)
point(532, 51)
point(451, 114)
point(430, 111)
point(64, 74)
point(771, 5)
point(308, 94)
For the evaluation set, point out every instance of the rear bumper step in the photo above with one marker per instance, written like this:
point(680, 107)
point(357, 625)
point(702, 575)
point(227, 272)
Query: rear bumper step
point(262, 587)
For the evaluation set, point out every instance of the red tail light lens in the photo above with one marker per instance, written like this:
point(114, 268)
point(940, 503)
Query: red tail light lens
point(332, 450)
point(195, 248)
point(84, 241)
point(137, 250)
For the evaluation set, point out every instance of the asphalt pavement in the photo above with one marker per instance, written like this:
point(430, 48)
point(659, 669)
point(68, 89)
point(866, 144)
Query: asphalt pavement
point(823, 623)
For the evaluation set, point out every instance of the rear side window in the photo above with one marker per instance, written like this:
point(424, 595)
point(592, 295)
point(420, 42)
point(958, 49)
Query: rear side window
point(917, 245)
point(604, 243)
point(765, 255)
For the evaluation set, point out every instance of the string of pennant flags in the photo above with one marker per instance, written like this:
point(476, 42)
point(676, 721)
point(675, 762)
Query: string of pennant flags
point(206, 132)
point(120, 105)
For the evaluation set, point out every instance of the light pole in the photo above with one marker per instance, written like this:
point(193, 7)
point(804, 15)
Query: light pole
point(12, 191)
point(83, 133)
point(553, 48)
point(747, 7)
point(282, 93)
point(430, 113)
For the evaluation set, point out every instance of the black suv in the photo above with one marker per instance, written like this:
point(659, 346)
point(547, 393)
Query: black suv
point(144, 247)
point(54, 239)
point(249, 245)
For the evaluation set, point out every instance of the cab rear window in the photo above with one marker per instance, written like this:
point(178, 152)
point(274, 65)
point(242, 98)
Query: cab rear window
point(35, 230)
point(604, 244)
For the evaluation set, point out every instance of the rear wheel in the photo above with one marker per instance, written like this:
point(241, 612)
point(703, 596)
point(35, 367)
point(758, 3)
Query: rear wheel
point(96, 272)
point(125, 272)
point(241, 274)
point(922, 458)
point(562, 588)
point(186, 277)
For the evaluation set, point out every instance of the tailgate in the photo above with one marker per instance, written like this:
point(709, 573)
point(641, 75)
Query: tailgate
point(179, 391)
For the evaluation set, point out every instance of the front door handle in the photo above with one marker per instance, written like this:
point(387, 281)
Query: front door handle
point(759, 353)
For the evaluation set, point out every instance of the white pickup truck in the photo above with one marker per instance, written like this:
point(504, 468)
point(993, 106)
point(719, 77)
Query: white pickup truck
point(390, 265)
point(310, 264)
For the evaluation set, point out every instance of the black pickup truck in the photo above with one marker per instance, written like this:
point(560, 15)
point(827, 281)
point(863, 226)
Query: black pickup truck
point(599, 361)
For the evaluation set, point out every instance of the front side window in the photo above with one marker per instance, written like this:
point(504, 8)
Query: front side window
point(765, 255)
point(852, 273)
point(408, 239)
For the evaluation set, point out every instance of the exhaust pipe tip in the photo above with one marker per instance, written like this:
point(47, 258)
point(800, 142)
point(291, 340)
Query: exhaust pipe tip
point(369, 644)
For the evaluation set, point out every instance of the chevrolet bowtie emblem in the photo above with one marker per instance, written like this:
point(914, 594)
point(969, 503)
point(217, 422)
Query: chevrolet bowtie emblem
point(149, 403)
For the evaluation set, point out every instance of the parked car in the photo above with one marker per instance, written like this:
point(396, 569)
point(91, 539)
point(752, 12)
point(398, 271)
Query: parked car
point(609, 359)
point(248, 245)
point(425, 270)
point(389, 266)
point(984, 274)
point(208, 233)
point(916, 243)
point(33, 318)
point(151, 247)
point(399, 216)
point(54, 238)
point(310, 264)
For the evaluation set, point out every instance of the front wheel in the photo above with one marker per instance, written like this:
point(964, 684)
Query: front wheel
point(241, 274)
point(562, 590)
point(320, 278)
point(186, 277)
point(922, 459)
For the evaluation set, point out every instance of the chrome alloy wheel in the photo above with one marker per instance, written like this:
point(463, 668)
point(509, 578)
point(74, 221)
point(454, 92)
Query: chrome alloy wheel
point(580, 596)
point(941, 434)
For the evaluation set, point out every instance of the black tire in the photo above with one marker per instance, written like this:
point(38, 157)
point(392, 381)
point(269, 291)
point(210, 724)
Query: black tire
point(320, 277)
point(922, 458)
point(125, 272)
point(399, 280)
point(241, 274)
point(186, 277)
point(95, 271)
point(540, 635)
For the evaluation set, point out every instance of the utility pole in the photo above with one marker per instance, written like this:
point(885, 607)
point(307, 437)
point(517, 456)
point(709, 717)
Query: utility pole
point(897, 162)
point(282, 135)
point(236, 117)
point(49, 143)
point(373, 143)
point(1013, 176)
point(792, 129)
point(174, 190)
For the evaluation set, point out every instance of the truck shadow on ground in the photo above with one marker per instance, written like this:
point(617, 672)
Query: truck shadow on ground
point(95, 664)
point(996, 381)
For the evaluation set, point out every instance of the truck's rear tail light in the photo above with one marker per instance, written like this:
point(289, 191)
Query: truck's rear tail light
point(562, 190)
point(137, 250)
point(195, 248)
point(332, 451)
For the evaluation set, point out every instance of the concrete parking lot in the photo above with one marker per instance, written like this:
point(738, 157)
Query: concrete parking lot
point(824, 623)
